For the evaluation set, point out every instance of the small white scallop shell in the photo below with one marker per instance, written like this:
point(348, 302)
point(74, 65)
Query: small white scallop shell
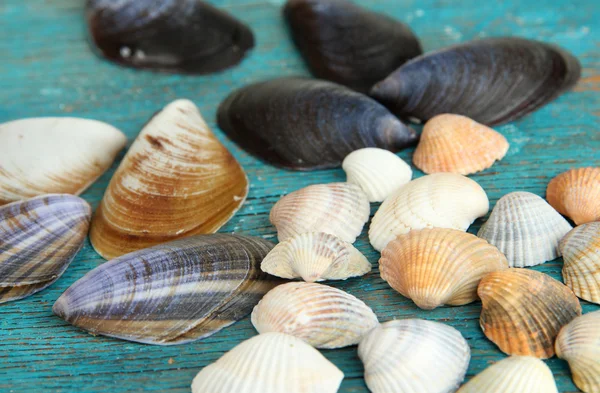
point(580, 249)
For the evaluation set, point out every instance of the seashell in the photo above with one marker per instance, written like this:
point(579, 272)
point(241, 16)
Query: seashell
point(443, 200)
point(576, 194)
point(348, 44)
point(525, 228)
point(515, 374)
point(438, 266)
point(172, 293)
point(176, 180)
point(31, 167)
point(463, 79)
point(579, 344)
point(340, 209)
point(315, 256)
point(398, 357)
point(523, 311)
point(168, 35)
point(39, 238)
point(306, 124)
point(269, 363)
point(323, 316)
point(580, 249)
point(457, 144)
point(378, 172)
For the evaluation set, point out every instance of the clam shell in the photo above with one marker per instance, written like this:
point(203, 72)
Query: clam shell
point(340, 209)
point(457, 144)
point(413, 355)
point(580, 249)
point(525, 228)
point(172, 293)
point(323, 316)
point(270, 363)
point(443, 200)
point(307, 124)
point(437, 266)
point(579, 344)
point(39, 238)
point(515, 374)
point(378, 172)
point(30, 163)
point(523, 311)
point(176, 180)
point(463, 79)
point(315, 256)
point(576, 194)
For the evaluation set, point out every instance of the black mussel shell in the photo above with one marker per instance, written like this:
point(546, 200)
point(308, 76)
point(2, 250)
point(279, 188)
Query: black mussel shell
point(492, 81)
point(306, 124)
point(187, 36)
point(348, 44)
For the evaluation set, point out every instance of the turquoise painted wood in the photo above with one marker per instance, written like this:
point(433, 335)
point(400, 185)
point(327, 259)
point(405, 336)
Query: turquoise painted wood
point(47, 68)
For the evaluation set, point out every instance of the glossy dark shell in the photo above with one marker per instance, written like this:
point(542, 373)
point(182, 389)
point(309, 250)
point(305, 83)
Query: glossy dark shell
point(492, 81)
point(306, 124)
point(187, 36)
point(348, 44)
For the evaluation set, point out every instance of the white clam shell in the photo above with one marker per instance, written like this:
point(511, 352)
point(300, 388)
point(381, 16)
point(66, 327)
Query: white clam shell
point(580, 249)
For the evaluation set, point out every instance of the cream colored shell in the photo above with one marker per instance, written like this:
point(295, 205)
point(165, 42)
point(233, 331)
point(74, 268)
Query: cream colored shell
point(581, 253)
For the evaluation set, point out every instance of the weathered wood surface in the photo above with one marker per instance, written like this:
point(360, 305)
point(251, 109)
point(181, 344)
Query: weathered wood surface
point(47, 68)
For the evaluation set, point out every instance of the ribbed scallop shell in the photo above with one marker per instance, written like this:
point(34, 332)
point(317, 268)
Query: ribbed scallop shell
point(414, 355)
point(378, 172)
point(576, 194)
point(39, 238)
point(579, 344)
point(525, 228)
point(581, 252)
point(270, 363)
point(443, 200)
point(51, 155)
point(340, 209)
point(437, 266)
point(323, 316)
point(515, 374)
point(523, 311)
point(176, 180)
point(315, 256)
point(457, 144)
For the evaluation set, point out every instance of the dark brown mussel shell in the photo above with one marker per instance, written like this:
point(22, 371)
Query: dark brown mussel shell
point(305, 124)
point(492, 81)
point(348, 44)
point(188, 36)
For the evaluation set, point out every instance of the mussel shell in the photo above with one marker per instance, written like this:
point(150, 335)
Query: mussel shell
point(305, 124)
point(348, 44)
point(492, 81)
point(169, 35)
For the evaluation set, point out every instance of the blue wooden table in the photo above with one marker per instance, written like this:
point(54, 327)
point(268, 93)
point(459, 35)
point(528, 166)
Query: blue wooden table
point(47, 68)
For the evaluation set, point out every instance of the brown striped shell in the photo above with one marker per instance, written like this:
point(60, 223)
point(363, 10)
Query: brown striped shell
point(581, 253)
point(576, 194)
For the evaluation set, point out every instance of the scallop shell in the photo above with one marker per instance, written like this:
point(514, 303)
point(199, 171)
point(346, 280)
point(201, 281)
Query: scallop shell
point(581, 253)
point(576, 194)
point(443, 200)
point(270, 363)
point(30, 163)
point(315, 256)
point(172, 293)
point(323, 316)
point(39, 238)
point(457, 144)
point(340, 209)
point(515, 374)
point(177, 180)
point(378, 172)
point(525, 228)
point(523, 311)
point(437, 266)
point(413, 355)
point(579, 344)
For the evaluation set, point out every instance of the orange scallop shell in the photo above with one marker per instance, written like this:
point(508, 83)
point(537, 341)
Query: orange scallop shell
point(576, 194)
